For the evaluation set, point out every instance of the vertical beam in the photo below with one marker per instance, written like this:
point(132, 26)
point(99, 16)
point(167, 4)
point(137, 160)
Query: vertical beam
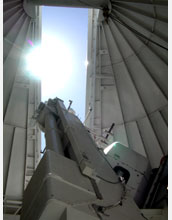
point(115, 79)
point(91, 69)
point(98, 107)
point(15, 179)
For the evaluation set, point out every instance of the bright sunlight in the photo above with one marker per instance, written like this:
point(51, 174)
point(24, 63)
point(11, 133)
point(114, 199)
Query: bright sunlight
point(51, 62)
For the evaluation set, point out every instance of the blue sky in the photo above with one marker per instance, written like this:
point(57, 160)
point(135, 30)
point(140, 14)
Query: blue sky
point(69, 25)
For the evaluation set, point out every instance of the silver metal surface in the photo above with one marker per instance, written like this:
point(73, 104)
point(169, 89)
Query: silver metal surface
point(138, 167)
point(21, 95)
point(52, 136)
point(72, 3)
point(58, 179)
point(155, 214)
point(61, 182)
point(11, 217)
point(128, 83)
point(73, 214)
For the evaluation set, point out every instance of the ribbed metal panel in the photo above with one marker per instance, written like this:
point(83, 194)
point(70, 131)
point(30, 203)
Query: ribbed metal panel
point(21, 96)
point(128, 84)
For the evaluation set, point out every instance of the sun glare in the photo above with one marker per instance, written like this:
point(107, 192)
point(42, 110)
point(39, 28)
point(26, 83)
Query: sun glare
point(51, 62)
point(108, 148)
point(86, 63)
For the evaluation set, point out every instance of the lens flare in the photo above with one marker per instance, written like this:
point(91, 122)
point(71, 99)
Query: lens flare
point(51, 62)
point(108, 148)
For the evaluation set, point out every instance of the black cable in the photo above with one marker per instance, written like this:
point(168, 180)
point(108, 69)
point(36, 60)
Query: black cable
point(144, 216)
point(136, 32)
point(113, 206)
point(108, 181)
point(95, 207)
point(104, 208)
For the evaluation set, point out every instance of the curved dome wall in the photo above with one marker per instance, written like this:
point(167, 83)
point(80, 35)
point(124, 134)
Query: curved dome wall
point(21, 95)
point(127, 77)
point(126, 85)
